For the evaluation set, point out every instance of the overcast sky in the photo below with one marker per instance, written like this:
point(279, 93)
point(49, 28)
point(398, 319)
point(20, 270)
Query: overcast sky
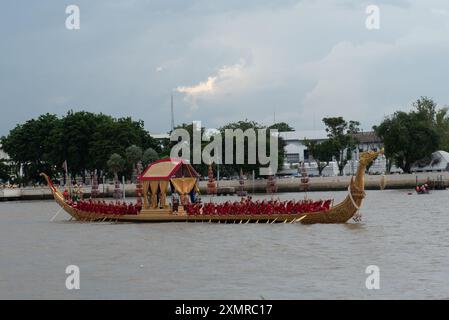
point(224, 60)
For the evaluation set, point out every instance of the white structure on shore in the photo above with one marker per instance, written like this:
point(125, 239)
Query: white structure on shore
point(296, 152)
point(3, 155)
point(438, 162)
point(296, 149)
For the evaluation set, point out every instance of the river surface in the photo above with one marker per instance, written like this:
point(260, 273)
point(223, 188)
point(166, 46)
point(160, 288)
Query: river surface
point(405, 236)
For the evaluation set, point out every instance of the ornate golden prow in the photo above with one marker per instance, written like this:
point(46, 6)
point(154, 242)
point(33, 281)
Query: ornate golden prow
point(357, 185)
point(364, 161)
point(49, 182)
point(349, 207)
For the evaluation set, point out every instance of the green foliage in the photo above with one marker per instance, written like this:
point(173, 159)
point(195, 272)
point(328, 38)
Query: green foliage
point(442, 127)
point(281, 127)
point(116, 163)
point(341, 141)
point(86, 140)
point(340, 144)
point(234, 169)
point(5, 171)
point(150, 155)
point(411, 136)
point(30, 145)
point(321, 152)
point(133, 154)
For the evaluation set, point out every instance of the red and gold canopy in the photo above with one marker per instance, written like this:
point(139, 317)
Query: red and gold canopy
point(167, 169)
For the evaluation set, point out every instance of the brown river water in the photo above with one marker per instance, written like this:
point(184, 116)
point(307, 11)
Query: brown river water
point(406, 236)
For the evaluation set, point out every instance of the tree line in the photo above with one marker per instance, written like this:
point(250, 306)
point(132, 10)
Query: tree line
point(85, 140)
point(90, 141)
point(414, 135)
point(229, 170)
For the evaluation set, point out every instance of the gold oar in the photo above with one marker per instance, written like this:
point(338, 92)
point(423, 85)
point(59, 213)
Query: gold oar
point(60, 209)
point(301, 218)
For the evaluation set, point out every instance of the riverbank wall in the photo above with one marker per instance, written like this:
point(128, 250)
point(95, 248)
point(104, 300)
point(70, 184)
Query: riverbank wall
point(372, 182)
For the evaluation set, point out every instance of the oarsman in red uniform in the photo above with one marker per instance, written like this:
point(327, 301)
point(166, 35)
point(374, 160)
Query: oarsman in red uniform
point(270, 208)
point(289, 207)
point(254, 208)
point(66, 194)
point(103, 207)
point(138, 207)
point(111, 207)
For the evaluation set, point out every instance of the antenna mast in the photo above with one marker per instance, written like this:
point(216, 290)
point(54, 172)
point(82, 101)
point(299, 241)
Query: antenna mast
point(172, 114)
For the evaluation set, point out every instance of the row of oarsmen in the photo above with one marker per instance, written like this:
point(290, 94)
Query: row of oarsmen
point(249, 207)
point(117, 208)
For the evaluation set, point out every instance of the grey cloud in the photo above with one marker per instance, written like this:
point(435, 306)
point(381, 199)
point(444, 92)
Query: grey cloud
point(303, 59)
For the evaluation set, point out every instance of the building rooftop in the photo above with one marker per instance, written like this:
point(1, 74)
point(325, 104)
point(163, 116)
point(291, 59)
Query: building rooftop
point(160, 135)
point(304, 134)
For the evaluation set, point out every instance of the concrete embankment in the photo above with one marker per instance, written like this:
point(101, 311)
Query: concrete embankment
point(372, 182)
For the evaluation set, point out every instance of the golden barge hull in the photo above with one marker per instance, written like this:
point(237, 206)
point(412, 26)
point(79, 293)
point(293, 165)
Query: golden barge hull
point(339, 213)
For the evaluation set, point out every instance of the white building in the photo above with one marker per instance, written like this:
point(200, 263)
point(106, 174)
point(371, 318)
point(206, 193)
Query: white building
point(160, 136)
point(296, 152)
point(296, 149)
point(367, 141)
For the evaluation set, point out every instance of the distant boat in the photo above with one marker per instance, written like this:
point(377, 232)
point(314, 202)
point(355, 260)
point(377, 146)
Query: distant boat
point(184, 179)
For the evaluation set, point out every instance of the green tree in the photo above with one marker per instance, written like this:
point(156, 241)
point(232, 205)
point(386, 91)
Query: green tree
point(322, 152)
point(234, 169)
point(426, 107)
point(281, 127)
point(5, 171)
point(114, 136)
point(86, 140)
point(412, 136)
point(341, 136)
point(116, 163)
point(72, 139)
point(407, 138)
point(150, 155)
point(30, 146)
point(133, 154)
point(442, 127)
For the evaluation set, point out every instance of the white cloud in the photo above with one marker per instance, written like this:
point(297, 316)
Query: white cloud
point(214, 84)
